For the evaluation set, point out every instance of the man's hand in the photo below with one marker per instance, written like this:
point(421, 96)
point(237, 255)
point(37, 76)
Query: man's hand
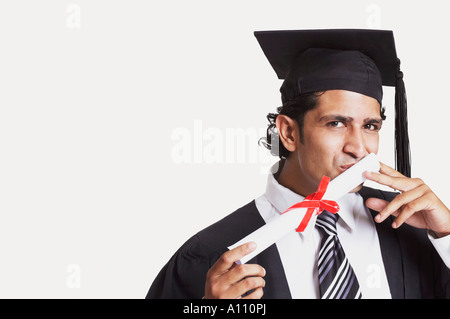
point(228, 280)
point(417, 205)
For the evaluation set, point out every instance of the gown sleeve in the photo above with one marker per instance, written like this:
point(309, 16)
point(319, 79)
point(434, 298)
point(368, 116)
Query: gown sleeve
point(184, 276)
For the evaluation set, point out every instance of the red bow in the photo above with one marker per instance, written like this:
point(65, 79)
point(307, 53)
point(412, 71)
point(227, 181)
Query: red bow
point(314, 202)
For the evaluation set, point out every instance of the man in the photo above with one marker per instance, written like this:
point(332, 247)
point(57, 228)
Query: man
point(380, 244)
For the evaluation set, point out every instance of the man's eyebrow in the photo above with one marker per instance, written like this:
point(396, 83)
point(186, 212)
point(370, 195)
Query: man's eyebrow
point(375, 120)
point(335, 117)
point(348, 119)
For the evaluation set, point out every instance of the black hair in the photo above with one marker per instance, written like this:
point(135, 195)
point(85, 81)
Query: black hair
point(296, 109)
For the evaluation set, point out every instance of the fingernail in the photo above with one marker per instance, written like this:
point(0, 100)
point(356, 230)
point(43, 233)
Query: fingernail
point(378, 218)
point(394, 225)
point(251, 246)
point(371, 174)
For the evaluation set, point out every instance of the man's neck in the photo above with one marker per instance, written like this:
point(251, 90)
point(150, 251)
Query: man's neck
point(289, 176)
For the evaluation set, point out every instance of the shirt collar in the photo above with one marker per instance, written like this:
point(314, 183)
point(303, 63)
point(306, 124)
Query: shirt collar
point(282, 198)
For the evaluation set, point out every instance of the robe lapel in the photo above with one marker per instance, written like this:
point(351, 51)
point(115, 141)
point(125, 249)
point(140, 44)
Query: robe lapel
point(239, 225)
point(276, 283)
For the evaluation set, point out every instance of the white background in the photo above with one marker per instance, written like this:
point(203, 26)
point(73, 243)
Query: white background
point(92, 200)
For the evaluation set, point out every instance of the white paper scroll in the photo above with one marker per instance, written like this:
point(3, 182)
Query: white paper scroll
point(281, 225)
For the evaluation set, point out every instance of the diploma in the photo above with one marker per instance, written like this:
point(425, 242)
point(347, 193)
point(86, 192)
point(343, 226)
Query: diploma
point(282, 224)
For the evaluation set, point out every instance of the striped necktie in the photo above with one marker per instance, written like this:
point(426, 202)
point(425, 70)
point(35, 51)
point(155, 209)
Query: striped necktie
point(337, 279)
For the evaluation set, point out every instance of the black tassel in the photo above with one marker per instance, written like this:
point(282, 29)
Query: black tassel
point(402, 150)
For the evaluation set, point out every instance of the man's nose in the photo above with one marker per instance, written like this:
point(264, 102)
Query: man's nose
point(354, 144)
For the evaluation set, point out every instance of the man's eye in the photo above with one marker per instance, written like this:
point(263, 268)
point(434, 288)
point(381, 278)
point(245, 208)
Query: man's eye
point(336, 124)
point(371, 127)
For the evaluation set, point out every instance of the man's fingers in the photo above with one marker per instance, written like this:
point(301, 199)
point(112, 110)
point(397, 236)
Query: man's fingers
point(404, 207)
point(399, 202)
point(403, 184)
point(239, 272)
point(385, 169)
point(408, 211)
point(376, 204)
point(229, 280)
point(417, 205)
point(390, 177)
point(227, 260)
point(392, 182)
point(243, 278)
point(245, 285)
point(256, 294)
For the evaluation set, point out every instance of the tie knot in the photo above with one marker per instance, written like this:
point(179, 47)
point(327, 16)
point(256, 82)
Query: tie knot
point(327, 221)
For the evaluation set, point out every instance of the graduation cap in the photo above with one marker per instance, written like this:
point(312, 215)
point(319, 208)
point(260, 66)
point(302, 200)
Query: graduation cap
point(361, 61)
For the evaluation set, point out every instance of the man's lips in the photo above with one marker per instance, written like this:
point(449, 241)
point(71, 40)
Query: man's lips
point(345, 167)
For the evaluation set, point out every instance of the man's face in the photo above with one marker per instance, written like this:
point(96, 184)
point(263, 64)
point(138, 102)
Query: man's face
point(340, 131)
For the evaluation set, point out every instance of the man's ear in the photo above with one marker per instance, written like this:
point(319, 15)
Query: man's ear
point(288, 131)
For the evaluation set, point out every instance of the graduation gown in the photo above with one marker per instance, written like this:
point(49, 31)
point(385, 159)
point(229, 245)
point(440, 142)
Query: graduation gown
point(413, 267)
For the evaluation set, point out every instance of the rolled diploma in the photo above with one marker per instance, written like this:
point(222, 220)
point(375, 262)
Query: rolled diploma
point(281, 225)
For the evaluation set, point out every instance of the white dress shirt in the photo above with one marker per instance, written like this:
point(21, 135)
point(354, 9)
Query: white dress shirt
point(357, 234)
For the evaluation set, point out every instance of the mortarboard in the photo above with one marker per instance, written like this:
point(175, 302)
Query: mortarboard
point(341, 59)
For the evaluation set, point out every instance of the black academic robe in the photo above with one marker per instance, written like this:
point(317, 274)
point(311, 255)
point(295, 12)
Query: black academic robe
point(413, 267)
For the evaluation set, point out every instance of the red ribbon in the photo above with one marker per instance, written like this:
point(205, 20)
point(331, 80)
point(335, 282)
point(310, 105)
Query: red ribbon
point(314, 202)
